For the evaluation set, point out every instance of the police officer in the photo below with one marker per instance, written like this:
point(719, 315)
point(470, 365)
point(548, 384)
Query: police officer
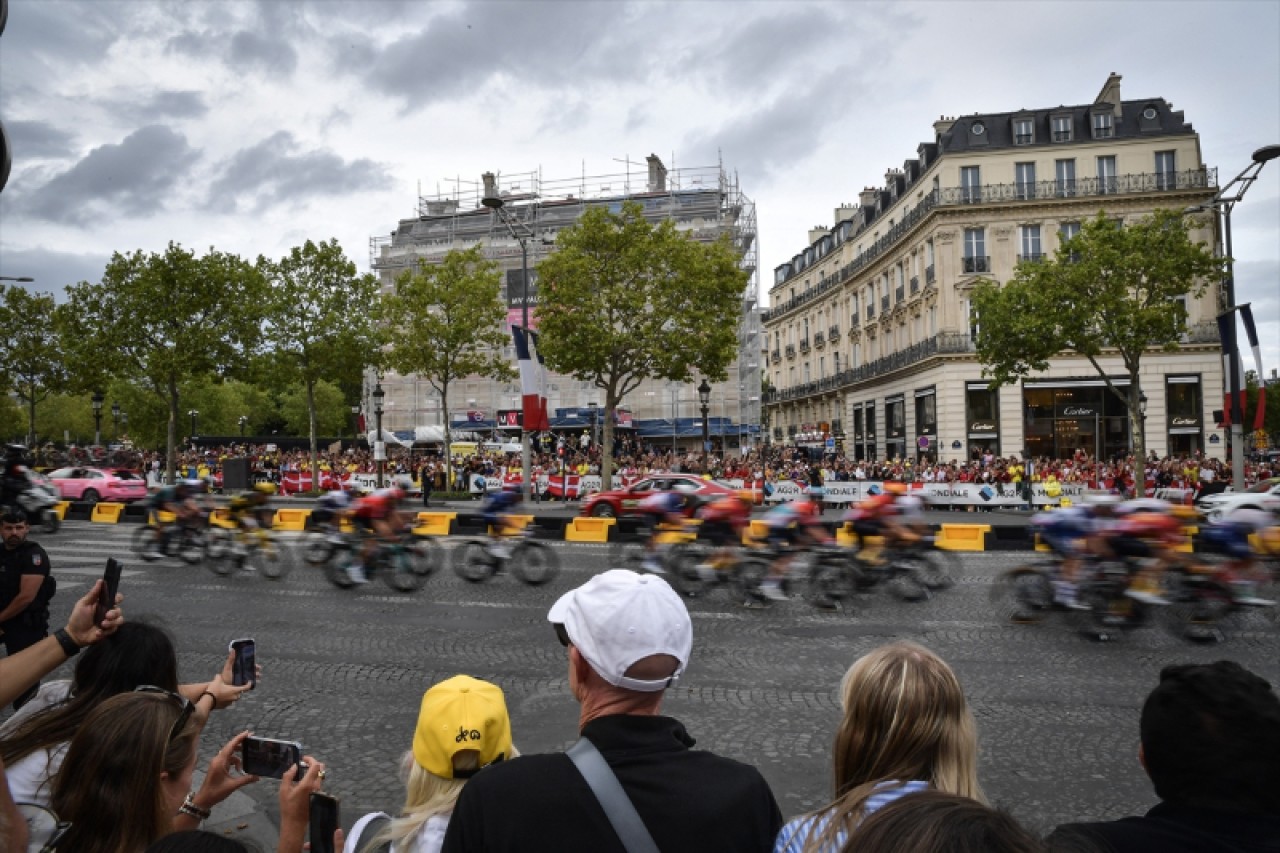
point(26, 587)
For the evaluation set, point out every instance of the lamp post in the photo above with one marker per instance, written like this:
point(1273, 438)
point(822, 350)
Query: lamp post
point(243, 421)
point(115, 421)
point(704, 397)
point(193, 414)
point(124, 421)
point(379, 448)
point(96, 402)
point(495, 203)
point(24, 278)
point(1222, 204)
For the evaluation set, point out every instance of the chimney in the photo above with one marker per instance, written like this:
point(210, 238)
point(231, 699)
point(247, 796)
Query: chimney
point(867, 198)
point(1110, 93)
point(942, 125)
point(845, 211)
point(817, 232)
point(490, 185)
point(657, 174)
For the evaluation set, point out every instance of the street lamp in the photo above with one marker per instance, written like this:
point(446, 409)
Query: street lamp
point(1222, 203)
point(23, 278)
point(495, 203)
point(379, 448)
point(115, 421)
point(1142, 412)
point(124, 421)
point(193, 414)
point(704, 397)
point(96, 401)
point(243, 421)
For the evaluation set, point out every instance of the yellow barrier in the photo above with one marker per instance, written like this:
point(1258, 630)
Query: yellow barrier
point(434, 523)
point(291, 519)
point(519, 522)
point(964, 537)
point(585, 529)
point(1186, 546)
point(1040, 546)
point(669, 534)
point(755, 532)
point(163, 517)
point(106, 513)
point(61, 509)
point(221, 517)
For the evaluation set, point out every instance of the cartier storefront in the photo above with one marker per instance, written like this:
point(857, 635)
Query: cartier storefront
point(1063, 417)
point(1185, 406)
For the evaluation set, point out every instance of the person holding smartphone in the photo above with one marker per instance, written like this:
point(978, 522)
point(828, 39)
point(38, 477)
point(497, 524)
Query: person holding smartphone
point(26, 588)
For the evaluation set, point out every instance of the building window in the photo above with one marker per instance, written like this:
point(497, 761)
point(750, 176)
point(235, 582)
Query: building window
point(1025, 180)
point(1166, 171)
point(970, 184)
point(928, 252)
point(982, 419)
point(975, 250)
point(1103, 128)
point(933, 319)
point(1185, 413)
point(1023, 132)
point(1064, 174)
point(1030, 243)
point(1066, 231)
point(1061, 128)
point(1107, 175)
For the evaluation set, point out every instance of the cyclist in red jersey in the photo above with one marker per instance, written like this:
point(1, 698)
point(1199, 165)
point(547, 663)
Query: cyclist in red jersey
point(723, 522)
point(376, 513)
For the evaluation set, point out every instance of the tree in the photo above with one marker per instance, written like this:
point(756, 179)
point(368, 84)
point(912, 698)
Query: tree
point(320, 408)
point(318, 320)
point(31, 352)
point(1109, 289)
point(1271, 416)
point(446, 321)
point(623, 300)
point(159, 320)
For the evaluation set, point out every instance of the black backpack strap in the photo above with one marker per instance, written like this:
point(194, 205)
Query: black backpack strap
point(613, 799)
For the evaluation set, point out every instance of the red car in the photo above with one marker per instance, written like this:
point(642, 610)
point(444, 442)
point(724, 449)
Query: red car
point(91, 485)
point(618, 502)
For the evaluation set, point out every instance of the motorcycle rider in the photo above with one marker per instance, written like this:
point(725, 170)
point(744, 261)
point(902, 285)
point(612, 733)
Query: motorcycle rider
point(15, 480)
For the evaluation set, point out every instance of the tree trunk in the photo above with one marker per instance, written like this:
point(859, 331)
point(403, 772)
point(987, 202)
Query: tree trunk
point(171, 436)
point(311, 424)
point(31, 422)
point(606, 443)
point(1138, 431)
point(448, 455)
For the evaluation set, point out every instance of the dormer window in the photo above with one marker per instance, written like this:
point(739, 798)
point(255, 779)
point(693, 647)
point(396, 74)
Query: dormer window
point(1103, 126)
point(1023, 131)
point(1061, 126)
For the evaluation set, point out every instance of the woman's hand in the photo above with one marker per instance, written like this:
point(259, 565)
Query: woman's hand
point(295, 804)
point(224, 776)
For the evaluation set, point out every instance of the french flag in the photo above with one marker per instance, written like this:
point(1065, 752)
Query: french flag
point(533, 379)
point(1251, 331)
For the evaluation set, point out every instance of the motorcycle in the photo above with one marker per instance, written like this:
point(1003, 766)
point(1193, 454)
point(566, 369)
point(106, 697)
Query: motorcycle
point(39, 502)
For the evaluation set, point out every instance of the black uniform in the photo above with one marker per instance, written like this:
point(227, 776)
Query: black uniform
point(31, 625)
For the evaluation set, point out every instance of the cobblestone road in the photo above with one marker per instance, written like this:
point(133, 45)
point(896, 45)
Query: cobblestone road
point(344, 673)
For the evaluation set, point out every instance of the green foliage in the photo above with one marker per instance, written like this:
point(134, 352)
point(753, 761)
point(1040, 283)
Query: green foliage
point(159, 320)
point(13, 424)
point(623, 300)
point(1271, 417)
point(31, 349)
point(447, 321)
point(330, 408)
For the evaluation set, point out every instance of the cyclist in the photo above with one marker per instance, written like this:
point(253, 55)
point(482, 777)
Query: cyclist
point(885, 515)
point(496, 512)
point(791, 526)
point(669, 508)
point(724, 520)
point(178, 501)
point(377, 514)
point(1075, 533)
point(251, 516)
point(1230, 536)
point(1146, 529)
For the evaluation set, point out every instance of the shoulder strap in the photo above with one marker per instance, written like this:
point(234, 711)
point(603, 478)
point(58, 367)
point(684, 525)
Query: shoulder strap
point(371, 829)
point(615, 802)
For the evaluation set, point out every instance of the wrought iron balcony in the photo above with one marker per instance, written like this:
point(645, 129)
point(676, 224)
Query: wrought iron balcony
point(819, 340)
point(1031, 258)
point(976, 265)
point(929, 275)
point(1023, 138)
point(1062, 136)
point(871, 311)
point(884, 303)
point(899, 294)
point(915, 284)
point(775, 356)
point(791, 350)
point(833, 333)
point(804, 345)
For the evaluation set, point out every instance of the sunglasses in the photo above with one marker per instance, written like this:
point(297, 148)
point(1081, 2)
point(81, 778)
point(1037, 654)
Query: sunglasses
point(188, 707)
point(561, 634)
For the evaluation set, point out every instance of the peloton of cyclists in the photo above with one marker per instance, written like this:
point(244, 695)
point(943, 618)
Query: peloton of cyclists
point(724, 521)
point(496, 512)
point(378, 515)
point(791, 527)
point(1230, 537)
point(664, 508)
point(1075, 533)
point(177, 501)
point(892, 515)
point(335, 505)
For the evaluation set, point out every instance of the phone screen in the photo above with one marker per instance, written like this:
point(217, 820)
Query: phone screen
point(264, 756)
point(324, 822)
point(111, 585)
point(244, 666)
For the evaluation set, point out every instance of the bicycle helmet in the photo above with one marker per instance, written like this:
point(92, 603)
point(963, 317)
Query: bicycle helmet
point(265, 487)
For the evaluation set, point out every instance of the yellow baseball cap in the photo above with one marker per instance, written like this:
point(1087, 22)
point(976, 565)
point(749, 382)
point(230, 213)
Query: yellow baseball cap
point(461, 713)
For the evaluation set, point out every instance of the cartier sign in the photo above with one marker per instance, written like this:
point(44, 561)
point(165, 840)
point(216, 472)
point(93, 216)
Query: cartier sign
point(1077, 412)
point(982, 426)
point(1185, 422)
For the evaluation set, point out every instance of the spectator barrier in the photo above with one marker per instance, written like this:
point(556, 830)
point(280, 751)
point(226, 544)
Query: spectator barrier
point(584, 529)
point(435, 523)
point(106, 513)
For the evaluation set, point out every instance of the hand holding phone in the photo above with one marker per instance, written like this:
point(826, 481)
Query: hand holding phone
point(264, 756)
point(244, 666)
point(324, 822)
point(110, 586)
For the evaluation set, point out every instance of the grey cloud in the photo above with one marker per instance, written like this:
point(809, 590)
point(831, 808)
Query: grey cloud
point(762, 48)
point(38, 140)
point(62, 33)
point(52, 270)
point(130, 178)
point(176, 104)
point(275, 172)
point(196, 44)
point(275, 55)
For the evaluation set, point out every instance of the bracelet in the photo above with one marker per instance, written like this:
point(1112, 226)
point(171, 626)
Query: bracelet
point(189, 807)
point(211, 696)
point(69, 646)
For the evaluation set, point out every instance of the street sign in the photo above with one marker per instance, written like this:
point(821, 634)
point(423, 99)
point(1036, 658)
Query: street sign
point(831, 444)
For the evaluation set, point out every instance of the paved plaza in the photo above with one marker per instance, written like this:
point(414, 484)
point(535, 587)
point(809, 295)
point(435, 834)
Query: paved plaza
point(344, 673)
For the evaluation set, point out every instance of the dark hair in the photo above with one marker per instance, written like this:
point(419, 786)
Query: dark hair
point(13, 514)
point(1211, 738)
point(937, 822)
point(197, 841)
point(137, 653)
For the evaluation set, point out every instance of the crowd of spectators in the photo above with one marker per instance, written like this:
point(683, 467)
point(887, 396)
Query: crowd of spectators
point(113, 750)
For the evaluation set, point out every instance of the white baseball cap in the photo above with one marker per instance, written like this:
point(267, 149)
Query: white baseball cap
point(620, 617)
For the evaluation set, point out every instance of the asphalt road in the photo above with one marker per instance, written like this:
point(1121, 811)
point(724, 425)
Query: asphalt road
point(344, 673)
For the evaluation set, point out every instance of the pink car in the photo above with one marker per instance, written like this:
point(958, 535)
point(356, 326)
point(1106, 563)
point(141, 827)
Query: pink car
point(91, 485)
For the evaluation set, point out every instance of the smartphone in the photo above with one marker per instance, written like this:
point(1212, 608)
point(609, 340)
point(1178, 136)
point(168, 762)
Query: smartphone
point(324, 822)
point(244, 666)
point(111, 585)
point(264, 756)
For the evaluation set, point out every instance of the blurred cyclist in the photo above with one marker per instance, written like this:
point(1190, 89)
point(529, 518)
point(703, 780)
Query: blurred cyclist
point(888, 515)
point(496, 512)
point(1074, 533)
point(1230, 536)
point(377, 514)
point(791, 526)
point(664, 508)
point(177, 501)
point(724, 520)
point(250, 512)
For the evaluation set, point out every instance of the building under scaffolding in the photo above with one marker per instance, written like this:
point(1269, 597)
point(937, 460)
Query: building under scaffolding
point(704, 201)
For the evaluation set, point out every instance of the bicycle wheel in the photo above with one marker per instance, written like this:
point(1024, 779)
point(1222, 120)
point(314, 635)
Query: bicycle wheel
point(142, 538)
point(1023, 596)
point(939, 568)
point(1107, 610)
point(472, 562)
point(273, 559)
point(315, 547)
point(747, 577)
point(682, 563)
point(425, 555)
point(397, 570)
point(191, 545)
point(335, 568)
point(626, 555)
point(831, 580)
point(905, 581)
point(1197, 608)
point(534, 563)
point(217, 543)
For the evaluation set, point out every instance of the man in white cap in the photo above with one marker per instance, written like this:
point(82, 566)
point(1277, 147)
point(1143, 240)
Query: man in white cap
point(628, 638)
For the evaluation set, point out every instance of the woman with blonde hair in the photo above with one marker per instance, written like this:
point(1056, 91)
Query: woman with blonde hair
point(462, 728)
point(907, 727)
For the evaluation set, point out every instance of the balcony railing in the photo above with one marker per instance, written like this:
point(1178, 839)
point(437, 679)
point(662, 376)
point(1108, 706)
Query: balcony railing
point(871, 311)
point(915, 284)
point(929, 275)
point(834, 333)
point(1023, 138)
point(819, 340)
point(804, 345)
point(884, 303)
point(776, 356)
point(1191, 179)
point(1062, 136)
point(976, 265)
point(899, 294)
point(791, 350)
point(1031, 258)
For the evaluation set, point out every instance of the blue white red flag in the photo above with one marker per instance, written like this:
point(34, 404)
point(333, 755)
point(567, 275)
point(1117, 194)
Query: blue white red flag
point(533, 379)
point(1250, 330)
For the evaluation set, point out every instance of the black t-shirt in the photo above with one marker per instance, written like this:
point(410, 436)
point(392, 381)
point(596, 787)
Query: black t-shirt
point(1173, 829)
point(689, 800)
point(27, 559)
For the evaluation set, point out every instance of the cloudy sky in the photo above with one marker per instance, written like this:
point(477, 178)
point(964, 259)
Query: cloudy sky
point(252, 126)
